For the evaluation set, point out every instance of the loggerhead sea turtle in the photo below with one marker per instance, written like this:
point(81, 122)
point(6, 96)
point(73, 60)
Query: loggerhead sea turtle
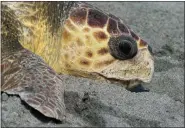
point(41, 40)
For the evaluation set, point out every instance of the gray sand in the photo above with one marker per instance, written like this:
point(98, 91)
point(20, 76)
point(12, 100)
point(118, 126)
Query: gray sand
point(98, 103)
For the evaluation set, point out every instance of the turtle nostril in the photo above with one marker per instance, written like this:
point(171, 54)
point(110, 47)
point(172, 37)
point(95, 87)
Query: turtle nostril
point(150, 49)
point(125, 47)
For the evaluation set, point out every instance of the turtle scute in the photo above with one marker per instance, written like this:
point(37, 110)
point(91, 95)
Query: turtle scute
point(96, 18)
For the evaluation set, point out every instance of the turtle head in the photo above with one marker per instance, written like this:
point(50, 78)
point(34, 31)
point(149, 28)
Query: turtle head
point(87, 42)
point(95, 42)
point(133, 60)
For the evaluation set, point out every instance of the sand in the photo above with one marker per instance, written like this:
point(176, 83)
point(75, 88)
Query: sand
point(96, 103)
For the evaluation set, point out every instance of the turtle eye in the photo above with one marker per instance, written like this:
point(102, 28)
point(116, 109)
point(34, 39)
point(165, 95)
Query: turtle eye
point(123, 47)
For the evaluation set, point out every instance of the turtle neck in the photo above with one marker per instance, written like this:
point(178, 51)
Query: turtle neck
point(20, 18)
point(9, 31)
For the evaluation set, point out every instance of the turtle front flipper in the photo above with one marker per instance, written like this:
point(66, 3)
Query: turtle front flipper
point(25, 74)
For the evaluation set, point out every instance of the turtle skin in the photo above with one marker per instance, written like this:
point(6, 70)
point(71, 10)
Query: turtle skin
point(30, 67)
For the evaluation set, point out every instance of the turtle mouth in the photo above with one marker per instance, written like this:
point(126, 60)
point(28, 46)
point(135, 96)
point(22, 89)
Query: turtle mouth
point(127, 83)
point(140, 69)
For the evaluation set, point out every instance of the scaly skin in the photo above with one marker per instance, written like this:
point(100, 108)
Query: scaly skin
point(71, 38)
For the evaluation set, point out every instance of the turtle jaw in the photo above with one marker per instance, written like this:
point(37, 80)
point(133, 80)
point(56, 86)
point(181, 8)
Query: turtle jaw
point(136, 70)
